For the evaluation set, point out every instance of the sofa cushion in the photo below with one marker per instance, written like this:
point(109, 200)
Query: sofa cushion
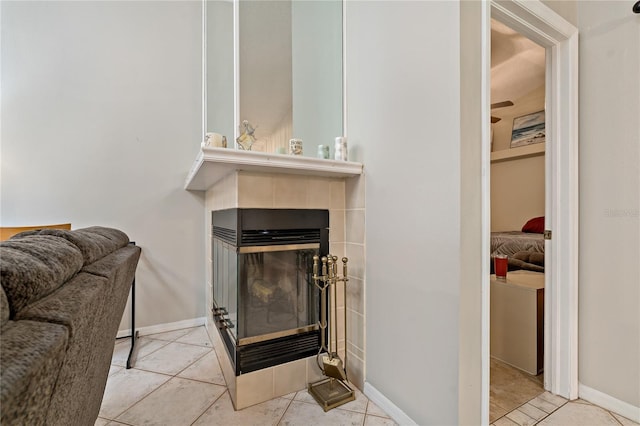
point(94, 242)
point(75, 305)
point(33, 266)
point(31, 356)
point(4, 308)
point(109, 265)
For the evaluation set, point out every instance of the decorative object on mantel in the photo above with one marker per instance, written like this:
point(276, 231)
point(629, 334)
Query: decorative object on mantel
point(528, 129)
point(247, 137)
point(341, 152)
point(334, 390)
point(215, 140)
point(295, 146)
point(323, 151)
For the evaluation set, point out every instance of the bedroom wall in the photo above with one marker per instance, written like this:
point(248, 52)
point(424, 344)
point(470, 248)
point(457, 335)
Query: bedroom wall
point(101, 120)
point(517, 185)
point(527, 104)
point(609, 295)
point(517, 192)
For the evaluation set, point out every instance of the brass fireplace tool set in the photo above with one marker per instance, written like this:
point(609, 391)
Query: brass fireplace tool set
point(334, 390)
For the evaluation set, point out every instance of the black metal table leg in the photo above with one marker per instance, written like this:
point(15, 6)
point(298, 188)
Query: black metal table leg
point(134, 332)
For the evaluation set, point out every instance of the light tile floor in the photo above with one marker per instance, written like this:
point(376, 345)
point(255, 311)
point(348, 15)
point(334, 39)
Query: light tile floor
point(510, 388)
point(552, 410)
point(177, 380)
point(517, 398)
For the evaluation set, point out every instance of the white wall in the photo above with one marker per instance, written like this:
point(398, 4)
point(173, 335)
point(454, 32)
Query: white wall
point(609, 298)
point(517, 185)
point(404, 124)
point(101, 120)
point(517, 192)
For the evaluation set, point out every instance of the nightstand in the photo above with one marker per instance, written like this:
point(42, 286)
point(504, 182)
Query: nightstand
point(517, 320)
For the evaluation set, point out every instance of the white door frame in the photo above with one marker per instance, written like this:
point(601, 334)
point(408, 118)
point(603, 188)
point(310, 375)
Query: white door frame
point(560, 39)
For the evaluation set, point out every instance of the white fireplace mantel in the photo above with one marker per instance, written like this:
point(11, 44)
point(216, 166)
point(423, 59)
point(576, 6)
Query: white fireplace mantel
point(212, 164)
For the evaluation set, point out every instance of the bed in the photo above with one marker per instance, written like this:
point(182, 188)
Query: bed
point(512, 242)
point(525, 248)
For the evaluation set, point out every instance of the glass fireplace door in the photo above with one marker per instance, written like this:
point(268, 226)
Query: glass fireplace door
point(264, 292)
point(225, 287)
point(277, 294)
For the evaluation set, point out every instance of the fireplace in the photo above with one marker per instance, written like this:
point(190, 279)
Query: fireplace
point(265, 304)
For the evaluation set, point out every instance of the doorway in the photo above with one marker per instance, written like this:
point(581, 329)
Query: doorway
point(517, 220)
point(559, 38)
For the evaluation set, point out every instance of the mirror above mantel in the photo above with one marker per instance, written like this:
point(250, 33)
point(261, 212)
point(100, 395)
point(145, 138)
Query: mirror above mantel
point(278, 65)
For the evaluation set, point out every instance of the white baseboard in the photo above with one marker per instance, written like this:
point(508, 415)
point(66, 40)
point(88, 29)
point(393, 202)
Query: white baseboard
point(608, 402)
point(163, 328)
point(385, 404)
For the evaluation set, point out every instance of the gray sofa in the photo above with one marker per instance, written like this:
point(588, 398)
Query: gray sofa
point(62, 299)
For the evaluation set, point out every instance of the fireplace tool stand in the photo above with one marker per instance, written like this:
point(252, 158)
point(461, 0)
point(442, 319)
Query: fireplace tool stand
point(334, 390)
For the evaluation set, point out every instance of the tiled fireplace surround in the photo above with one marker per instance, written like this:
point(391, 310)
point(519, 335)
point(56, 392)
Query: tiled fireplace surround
point(344, 198)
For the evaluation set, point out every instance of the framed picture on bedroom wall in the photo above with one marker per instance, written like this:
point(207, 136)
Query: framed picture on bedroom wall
point(528, 129)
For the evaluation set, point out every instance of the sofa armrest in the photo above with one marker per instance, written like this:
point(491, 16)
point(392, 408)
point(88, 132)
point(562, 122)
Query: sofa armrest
point(31, 357)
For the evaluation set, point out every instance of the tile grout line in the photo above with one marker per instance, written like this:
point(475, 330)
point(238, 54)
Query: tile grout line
point(287, 409)
point(143, 397)
point(199, 381)
point(177, 375)
point(614, 417)
point(139, 369)
point(196, 360)
point(136, 358)
point(525, 414)
point(339, 407)
point(366, 410)
point(164, 374)
point(210, 405)
point(529, 401)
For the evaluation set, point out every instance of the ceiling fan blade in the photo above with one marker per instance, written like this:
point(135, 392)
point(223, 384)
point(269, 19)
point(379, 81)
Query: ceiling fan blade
point(501, 104)
point(495, 119)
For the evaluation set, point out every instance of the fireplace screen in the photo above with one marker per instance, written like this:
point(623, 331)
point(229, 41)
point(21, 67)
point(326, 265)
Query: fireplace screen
point(265, 303)
point(277, 294)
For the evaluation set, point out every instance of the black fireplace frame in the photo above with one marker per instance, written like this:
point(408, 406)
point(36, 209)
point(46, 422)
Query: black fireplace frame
point(239, 228)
